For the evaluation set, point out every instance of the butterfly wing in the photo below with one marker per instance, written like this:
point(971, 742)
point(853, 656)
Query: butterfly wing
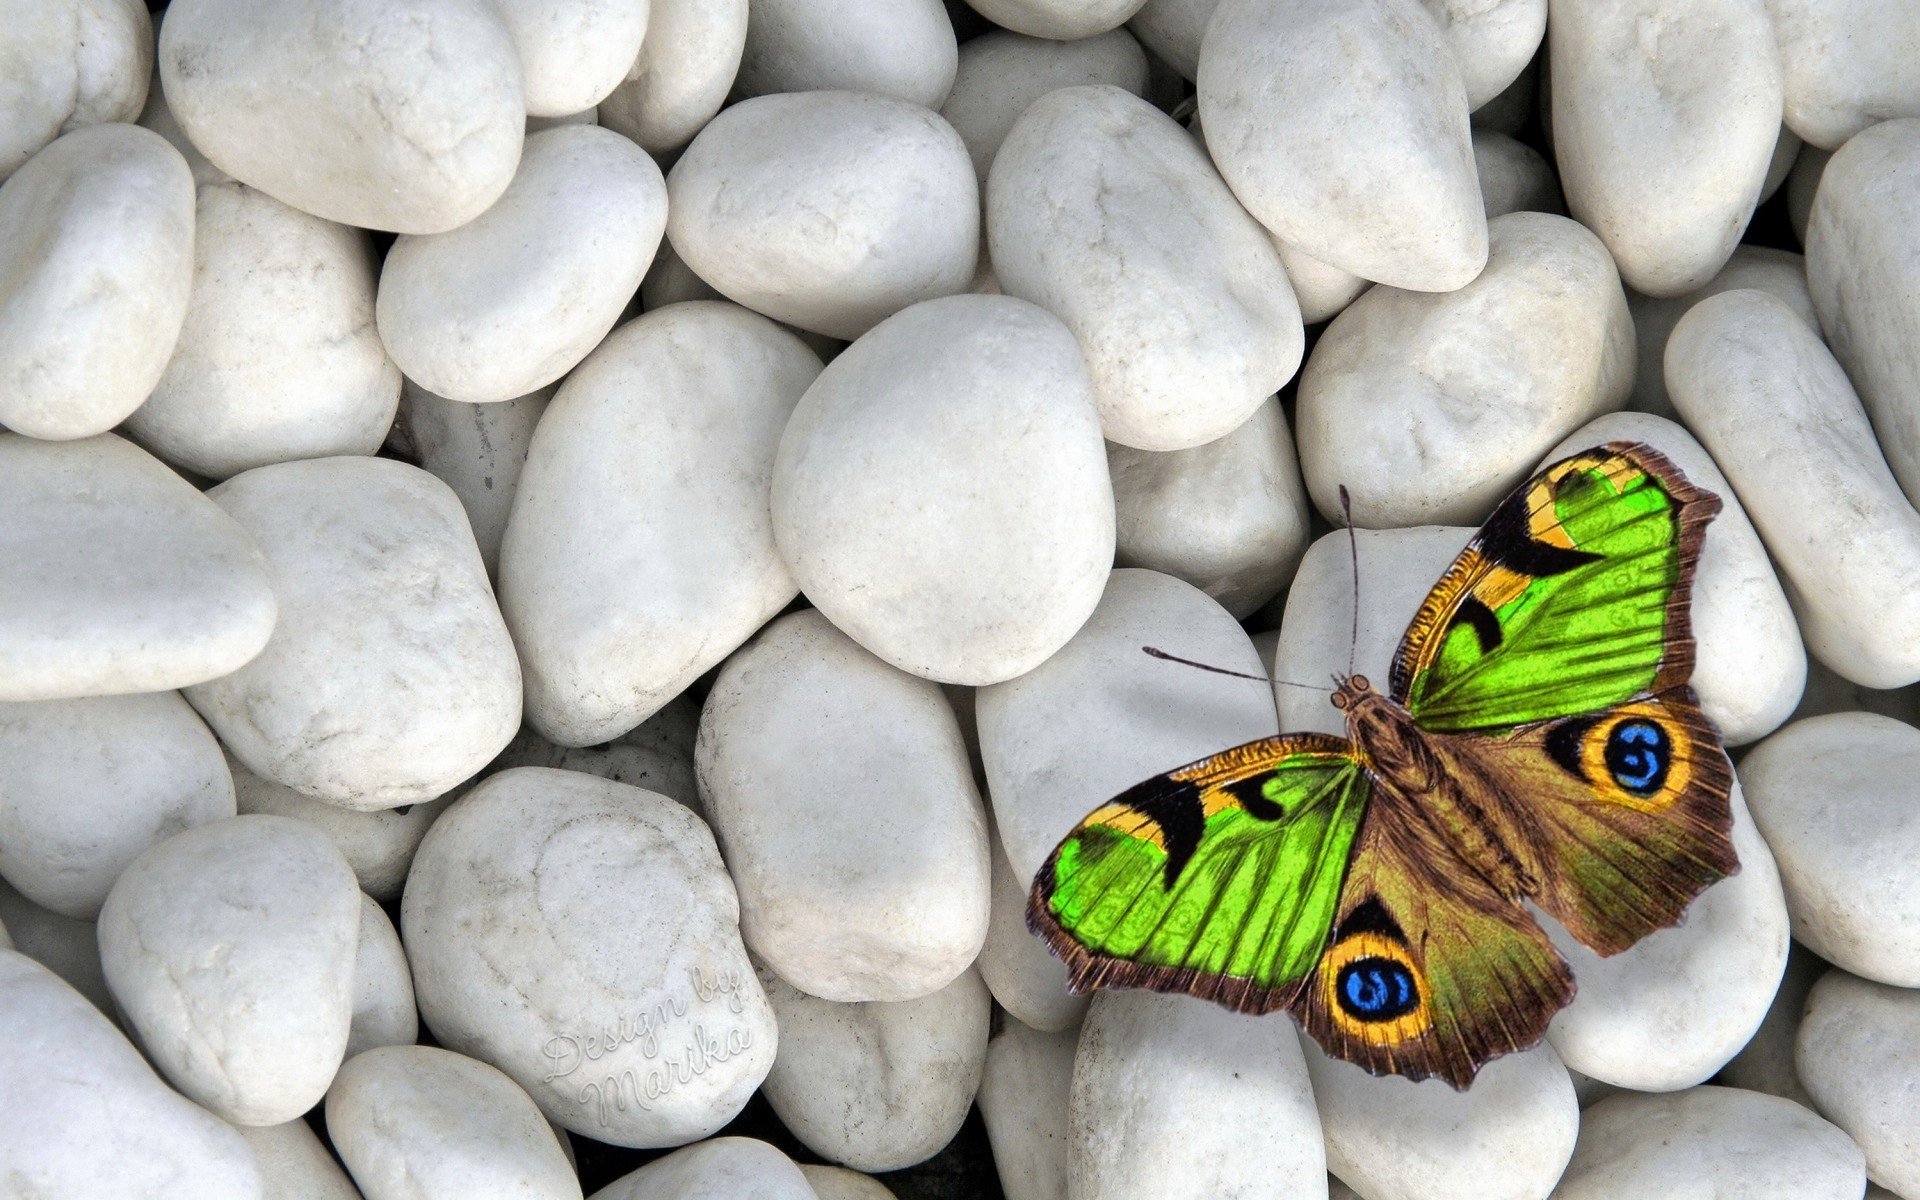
point(1219, 879)
point(1429, 971)
point(1550, 664)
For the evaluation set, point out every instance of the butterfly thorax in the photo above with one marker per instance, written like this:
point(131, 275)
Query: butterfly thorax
point(1411, 766)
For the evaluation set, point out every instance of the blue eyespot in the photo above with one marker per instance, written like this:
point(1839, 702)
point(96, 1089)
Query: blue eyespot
point(1638, 755)
point(1376, 989)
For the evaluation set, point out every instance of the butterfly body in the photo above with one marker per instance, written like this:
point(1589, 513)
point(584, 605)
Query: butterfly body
point(1538, 745)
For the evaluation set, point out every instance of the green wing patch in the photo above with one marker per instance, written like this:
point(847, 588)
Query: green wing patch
point(1219, 879)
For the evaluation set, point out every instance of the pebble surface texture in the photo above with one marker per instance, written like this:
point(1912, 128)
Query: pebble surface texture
point(564, 564)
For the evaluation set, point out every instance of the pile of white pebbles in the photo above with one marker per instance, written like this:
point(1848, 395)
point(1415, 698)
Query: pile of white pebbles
point(478, 689)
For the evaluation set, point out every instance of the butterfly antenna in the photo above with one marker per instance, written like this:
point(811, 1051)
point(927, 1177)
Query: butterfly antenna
point(1157, 652)
point(1353, 552)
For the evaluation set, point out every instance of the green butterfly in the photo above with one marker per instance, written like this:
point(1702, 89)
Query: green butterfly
point(1539, 743)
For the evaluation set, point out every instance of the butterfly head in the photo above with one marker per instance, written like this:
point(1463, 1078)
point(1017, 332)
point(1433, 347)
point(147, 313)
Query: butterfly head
point(1350, 692)
point(1388, 739)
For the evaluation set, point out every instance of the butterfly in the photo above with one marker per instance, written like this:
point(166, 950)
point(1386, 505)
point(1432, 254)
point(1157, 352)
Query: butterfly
point(1538, 743)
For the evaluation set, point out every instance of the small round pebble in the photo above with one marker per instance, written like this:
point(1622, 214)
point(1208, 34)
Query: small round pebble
point(295, 1165)
point(383, 1004)
point(478, 450)
point(377, 843)
point(1026, 978)
point(1858, 1051)
point(67, 64)
point(572, 52)
point(1025, 1092)
point(1001, 74)
point(899, 48)
point(724, 1168)
point(686, 65)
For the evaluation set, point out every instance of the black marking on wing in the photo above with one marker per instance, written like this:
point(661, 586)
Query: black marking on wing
point(1563, 744)
point(1486, 627)
point(1175, 807)
point(1505, 540)
point(1370, 916)
point(1250, 793)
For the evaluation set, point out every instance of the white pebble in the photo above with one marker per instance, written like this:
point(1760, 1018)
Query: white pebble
point(838, 1183)
point(1803, 183)
point(1064, 20)
point(1229, 517)
point(656, 754)
point(1710, 1141)
point(899, 48)
point(1431, 408)
point(1859, 1054)
point(520, 924)
point(1765, 1063)
point(405, 115)
point(622, 587)
point(278, 358)
point(1103, 211)
point(420, 1123)
point(1835, 795)
point(85, 1115)
point(725, 1168)
point(383, 1006)
point(1780, 272)
point(514, 299)
point(1384, 190)
point(294, 1165)
point(1757, 387)
point(377, 843)
point(1001, 74)
point(1866, 280)
point(1323, 291)
point(1848, 64)
point(68, 948)
point(680, 78)
point(230, 948)
point(827, 210)
point(69, 64)
point(117, 576)
point(941, 493)
point(1026, 978)
point(1493, 41)
point(1172, 29)
point(390, 677)
point(1101, 715)
point(840, 792)
point(91, 784)
point(96, 260)
point(1664, 123)
point(1135, 1132)
point(572, 52)
point(1024, 1094)
point(1514, 177)
point(477, 450)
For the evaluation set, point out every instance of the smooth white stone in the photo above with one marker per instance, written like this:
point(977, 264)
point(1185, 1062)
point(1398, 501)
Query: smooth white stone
point(1664, 123)
point(1024, 1094)
point(1002, 73)
point(405, 115)
point(278, 358)
point(1384, 190)
point(475, 449)
point(681, 76)
point(390, 677)
point(1803, 183)
point(378, 844)
point(1024, 976)
point(1173, 29)
point(1780, 272)
point(1517, 104)
point(96, 260)
point(899, 48)
point(838, 1183)
point(230, 948)
point(1786, 151)
point(1848, 64)
point(1758, 388)
point(841, 796)
point(514, 299)
point(1063, 20)
point(421, 1123)
point(1675, 1008)
point(1750, 665)
point(1506, 1138)
point(1101, 715)
point(383, 1008)
point(1431, 408)
point(67, 64)
point(68, 948)
point(572, 52)
point(726, 1168)
point(519, 922)
point(1765, 1064)
point(1104, 212)
point(1866, 280)
point(87, 785)
point(828, 210)
point(1493, 42)
point(1858, 1052)
point(622, 587)
point(1135, 1131)
point(294, 1165)
point(117, 576)
point(656, 754)
point(1321, 290)
point(1835, 794)
point(1514, 177)
point(1229, 517)
point(878, 1086)
point(1710, 1141)
point(941, 493)
point(158, 116)
point(85, 1115)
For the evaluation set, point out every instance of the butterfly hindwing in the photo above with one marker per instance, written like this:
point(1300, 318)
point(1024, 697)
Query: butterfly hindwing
point(1219, 879)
